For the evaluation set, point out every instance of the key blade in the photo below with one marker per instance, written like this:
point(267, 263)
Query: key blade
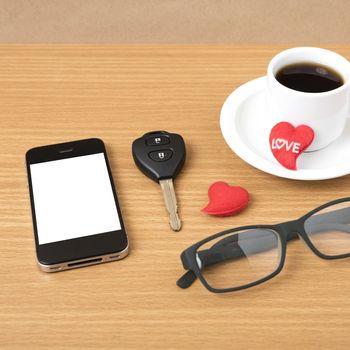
point(167, 187)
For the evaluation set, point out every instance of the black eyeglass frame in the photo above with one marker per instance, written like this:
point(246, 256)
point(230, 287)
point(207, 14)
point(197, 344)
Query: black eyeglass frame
point(285, 231)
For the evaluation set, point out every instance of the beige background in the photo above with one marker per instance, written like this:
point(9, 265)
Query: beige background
point(169, 21)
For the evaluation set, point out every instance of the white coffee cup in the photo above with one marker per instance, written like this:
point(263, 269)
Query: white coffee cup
point(324, 112)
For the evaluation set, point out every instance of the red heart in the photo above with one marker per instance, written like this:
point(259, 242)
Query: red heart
point(287, 143)
point(225, 200)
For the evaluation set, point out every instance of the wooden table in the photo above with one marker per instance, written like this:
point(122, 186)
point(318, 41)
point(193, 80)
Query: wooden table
point(54, 93)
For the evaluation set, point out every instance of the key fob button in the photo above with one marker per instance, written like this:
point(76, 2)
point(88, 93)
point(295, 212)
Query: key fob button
point(161, 156)
point(157, 140)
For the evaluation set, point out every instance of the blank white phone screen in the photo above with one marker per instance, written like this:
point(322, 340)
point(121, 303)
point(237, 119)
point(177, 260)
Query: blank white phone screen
point(73, 198)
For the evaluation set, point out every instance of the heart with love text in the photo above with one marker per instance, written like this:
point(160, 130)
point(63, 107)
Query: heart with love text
point(288, 142)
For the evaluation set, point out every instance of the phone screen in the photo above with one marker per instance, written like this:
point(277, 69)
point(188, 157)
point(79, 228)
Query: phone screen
point(73, 198)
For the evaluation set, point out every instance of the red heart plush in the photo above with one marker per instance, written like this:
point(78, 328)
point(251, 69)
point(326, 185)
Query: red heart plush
point(287, 143)
point(225, 200)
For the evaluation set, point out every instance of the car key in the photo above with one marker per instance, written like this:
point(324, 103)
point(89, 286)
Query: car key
point(161, 155)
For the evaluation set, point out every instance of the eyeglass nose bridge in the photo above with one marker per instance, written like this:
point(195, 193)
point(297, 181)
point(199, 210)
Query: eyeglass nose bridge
point(292, 229)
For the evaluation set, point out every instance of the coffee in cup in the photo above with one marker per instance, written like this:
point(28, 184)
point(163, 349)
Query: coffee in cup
point(310, 86)
point(309, 77)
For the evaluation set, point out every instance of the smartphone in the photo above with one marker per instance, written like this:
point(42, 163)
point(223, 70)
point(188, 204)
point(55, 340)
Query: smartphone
point(76, 215)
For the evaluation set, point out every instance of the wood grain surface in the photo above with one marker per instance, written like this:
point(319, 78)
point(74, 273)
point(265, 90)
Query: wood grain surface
point(57, 93)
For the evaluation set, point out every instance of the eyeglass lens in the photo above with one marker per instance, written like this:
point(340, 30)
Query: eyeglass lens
point(329, 229)
point(239, 258)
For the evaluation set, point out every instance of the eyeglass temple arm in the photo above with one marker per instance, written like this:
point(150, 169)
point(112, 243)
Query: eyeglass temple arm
point(337, 219)
point(225, 249)
point(186, 279)
point(330, 226)
point(209, 257)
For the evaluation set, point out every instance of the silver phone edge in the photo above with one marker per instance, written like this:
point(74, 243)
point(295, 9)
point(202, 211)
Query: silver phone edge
point(81, 262)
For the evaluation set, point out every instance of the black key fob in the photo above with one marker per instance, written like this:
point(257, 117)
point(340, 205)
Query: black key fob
point(159, 154)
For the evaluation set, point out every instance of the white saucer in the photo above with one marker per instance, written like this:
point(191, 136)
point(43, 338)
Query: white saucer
point(246, 126)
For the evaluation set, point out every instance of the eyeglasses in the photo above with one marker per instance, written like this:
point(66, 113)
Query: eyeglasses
point(246, 256)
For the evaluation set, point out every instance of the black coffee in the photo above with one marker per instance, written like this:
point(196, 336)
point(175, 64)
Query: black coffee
point(309, 77)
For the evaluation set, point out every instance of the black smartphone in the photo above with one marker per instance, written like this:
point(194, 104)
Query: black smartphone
point(76, 215)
